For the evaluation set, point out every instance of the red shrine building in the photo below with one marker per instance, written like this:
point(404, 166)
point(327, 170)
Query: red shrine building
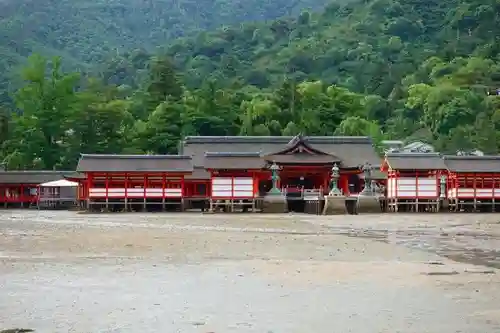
point(431, 182)
point(237, 173)
point(232, 171)
point(413, 181)
point(473, 182)
point(19, 189)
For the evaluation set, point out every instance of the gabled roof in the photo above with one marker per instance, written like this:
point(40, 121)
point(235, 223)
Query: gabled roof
point(298, 144)
point(30, 177)
point(472, 163)
point(298, 150)
point(134, 163)
point(414, 161)
point(234, 160)
point(353, 151)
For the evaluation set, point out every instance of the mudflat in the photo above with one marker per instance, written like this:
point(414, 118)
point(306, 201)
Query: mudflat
point(418, 273)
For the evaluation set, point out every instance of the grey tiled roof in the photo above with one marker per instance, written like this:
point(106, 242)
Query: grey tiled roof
point(233, 160)
point(472, 163)
point(134, 163)
point(415, 161)
point(31, 177)
point(353, 151)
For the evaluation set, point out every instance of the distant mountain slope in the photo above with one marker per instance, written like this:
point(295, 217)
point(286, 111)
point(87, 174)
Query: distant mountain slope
point(368, 45)
point(85, 32)
point(87, 29)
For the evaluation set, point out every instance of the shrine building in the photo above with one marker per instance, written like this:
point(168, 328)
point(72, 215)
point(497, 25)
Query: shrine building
point(234, 171)
point(19, 189)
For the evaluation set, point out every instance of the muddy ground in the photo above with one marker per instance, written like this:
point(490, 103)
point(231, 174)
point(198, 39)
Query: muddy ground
point(68, 272)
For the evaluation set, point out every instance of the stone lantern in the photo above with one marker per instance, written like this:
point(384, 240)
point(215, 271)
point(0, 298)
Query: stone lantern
point(442, 180)
point(334, 190)
point(274, 178)
point(367, 171)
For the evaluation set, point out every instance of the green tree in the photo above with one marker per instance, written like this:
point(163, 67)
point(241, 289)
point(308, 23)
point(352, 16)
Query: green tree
point(163, 128)
point(44, 103)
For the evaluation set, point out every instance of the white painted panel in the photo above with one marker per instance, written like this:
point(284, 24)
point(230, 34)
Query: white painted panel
point(243, 181)
point(154, 190)
point(406, 194)
point(468, 192)
point(484, 193)
point(238, 187)
point(97, 192)
point(427, 181)
point(243, 187)
point(222, 187)
point(135, 192)
point(222, 181)
point(173, 193)
point(408, 187)
point(479, 193)
point(406, 181)
point(222, 194)
point(243, 194)
point(117, 194)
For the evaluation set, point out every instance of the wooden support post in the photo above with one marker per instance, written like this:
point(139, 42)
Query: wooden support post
point(163, 187)
point(107, 191)
point(145, 186)
point(89, 186)
point(125, 185)
point(493, 209)
point(182, 193)
point(417, 194)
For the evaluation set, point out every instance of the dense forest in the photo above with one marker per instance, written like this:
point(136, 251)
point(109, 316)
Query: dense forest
point(391, 69)
point(87, 32)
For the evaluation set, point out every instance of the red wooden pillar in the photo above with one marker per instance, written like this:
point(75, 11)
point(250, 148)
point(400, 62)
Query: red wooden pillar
point(325, 183)
point(416, 185)
point(144, 185)
point(125, 184)
point(493, 177)
point(232, 187)
point(474, 184)
point(255, 183)
point(163, 186)
point(396, 183)
point(21, 193)
point(182, 186)
point(106, 181)
point(211, 182)
point(90, 181)
point(344, 184)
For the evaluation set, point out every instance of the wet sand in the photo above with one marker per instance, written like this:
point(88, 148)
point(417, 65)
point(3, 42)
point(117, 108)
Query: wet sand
point(68, 272)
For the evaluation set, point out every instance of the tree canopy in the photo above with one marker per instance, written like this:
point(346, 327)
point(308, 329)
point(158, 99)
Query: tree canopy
point(390, 69)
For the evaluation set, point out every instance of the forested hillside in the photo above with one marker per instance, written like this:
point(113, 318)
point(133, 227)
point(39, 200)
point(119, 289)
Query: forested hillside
point(391, 69)
point(86, 32)
point(87, 29)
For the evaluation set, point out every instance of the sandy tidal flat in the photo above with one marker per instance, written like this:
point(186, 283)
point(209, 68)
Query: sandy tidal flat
point(67, 272)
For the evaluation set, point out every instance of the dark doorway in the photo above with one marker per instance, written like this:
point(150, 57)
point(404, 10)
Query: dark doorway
point(300, 182)
point(296, 205)
point(355, 184)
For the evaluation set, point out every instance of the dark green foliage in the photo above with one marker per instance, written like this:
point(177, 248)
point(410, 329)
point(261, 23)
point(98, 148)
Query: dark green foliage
point(390, 69)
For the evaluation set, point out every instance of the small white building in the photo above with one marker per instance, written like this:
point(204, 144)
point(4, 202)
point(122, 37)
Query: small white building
point(418, 147)
point(60, 193)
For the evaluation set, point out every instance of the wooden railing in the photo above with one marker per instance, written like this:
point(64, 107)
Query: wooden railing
point(303, 193)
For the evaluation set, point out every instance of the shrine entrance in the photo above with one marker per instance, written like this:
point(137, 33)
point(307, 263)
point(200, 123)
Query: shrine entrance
point(303, 172)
